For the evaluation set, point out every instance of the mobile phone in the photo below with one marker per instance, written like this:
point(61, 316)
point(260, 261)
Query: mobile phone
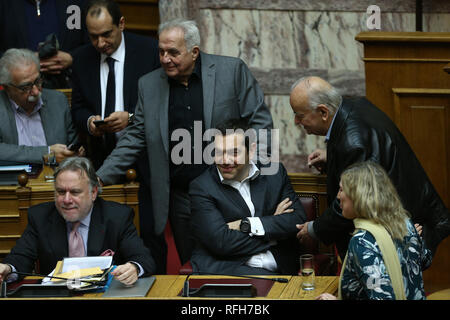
point(98, 123)
point(74, 146)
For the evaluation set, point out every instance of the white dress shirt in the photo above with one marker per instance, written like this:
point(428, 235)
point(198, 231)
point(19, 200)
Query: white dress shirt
point(119, 57)
point(266, 259)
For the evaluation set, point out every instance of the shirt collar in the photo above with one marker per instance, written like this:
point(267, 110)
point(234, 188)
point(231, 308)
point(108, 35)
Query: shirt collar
point(327, 137)
point(16, 108)
point(252, 174)
point(85, 222)
point(119, 54)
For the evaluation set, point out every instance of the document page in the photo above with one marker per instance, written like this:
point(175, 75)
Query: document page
point(71, 264)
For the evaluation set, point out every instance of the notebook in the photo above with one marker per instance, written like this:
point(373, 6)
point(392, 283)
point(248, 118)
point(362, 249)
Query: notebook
point(139, 289)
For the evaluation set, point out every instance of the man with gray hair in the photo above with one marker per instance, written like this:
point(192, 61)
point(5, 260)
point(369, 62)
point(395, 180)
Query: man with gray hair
point(355, 130)
point(33, 121)
point(77, 224)
point(192, 92)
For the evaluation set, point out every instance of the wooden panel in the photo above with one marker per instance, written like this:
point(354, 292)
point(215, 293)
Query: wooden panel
point(406, 78)
point(423, 116)
point(141, 16)
point(403, 60)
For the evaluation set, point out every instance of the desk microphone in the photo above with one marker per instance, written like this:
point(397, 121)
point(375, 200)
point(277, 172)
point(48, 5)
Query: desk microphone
point(186, 293)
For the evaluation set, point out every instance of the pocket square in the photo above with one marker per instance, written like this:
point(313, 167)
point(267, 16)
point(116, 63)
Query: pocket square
point(107, 253)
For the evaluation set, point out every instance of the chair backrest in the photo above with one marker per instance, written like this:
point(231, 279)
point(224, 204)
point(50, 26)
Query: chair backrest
point(310, 204)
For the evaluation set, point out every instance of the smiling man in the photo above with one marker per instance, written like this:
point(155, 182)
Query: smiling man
point(242, 219)
point(191, 87)
point(79, 223)
point(355, 130)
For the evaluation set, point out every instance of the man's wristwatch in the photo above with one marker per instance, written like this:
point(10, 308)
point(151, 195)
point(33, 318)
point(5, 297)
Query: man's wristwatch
point(130, 117)
point(245, 225)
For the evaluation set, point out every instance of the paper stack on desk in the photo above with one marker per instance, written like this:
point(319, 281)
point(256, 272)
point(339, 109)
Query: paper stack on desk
point(85, 273)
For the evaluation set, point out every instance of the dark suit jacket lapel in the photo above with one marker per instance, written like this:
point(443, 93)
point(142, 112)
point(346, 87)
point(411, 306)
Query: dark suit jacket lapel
point(128, 72)
point(232, 194)
point(58, 236)
point(96, 232)
point(208, 84)
point(45, 119)
point(336, 132)
point(162, 103)
point(258, 192)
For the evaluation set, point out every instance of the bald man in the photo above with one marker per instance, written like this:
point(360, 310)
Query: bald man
point(355, 130)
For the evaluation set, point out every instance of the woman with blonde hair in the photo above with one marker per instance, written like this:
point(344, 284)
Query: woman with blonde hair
point(386, 255)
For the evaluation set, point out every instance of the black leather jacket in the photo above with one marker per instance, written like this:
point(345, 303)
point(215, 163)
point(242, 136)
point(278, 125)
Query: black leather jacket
point(362, 132)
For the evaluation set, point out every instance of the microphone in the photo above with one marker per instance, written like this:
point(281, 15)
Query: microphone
point(186, 293)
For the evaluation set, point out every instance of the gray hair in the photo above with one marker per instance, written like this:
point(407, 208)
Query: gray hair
point(327, 95)
point(13, 58)
point(84, 165)
point(189, 27)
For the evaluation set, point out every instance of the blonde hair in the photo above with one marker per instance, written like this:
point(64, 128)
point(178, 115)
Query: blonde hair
point(375, 197)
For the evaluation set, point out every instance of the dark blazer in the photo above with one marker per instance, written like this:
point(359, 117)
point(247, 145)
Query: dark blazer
point(56, 121)
point(213, 205)
point(229, 91)
point(141, 57)
point(13, 26)
point(363, 132)
point(45, 238)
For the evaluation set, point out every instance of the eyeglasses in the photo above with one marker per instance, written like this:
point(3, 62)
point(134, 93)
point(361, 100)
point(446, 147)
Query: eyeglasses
point(26, 88)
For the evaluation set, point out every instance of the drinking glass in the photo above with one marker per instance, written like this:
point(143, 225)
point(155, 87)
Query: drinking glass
point(307, 270)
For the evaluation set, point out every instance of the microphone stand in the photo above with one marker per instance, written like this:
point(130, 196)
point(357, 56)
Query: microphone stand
point(185, 292)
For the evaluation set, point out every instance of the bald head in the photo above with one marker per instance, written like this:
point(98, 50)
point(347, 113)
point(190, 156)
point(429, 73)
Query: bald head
point(314, 102)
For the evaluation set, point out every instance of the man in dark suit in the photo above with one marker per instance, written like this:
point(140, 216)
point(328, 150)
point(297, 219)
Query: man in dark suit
point(26, 23)
point(357, 131)
point(93, 98)
point(102, 226)
point(191, 93)
point(244, 220)
point(33, 121)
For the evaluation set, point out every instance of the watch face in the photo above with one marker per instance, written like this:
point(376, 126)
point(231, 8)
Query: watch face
point(245, 226)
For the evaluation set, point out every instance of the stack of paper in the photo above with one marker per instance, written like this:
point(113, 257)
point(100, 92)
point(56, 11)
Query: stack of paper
point(83, 273)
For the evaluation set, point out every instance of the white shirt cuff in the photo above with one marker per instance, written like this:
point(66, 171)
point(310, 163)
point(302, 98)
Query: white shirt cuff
point(256, 227)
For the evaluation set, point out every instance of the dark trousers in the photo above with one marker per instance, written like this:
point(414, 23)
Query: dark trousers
point(180, 222)
point(155, 243)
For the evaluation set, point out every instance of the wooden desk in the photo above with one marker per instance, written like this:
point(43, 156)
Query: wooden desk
point(169, 286)
point(15, 201)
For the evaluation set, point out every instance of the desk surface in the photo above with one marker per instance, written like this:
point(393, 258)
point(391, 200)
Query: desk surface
point(169, 286)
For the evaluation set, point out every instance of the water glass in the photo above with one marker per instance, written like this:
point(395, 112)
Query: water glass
point(307, 270)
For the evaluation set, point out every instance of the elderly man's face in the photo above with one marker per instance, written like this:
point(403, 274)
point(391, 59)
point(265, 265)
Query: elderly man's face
point(26, 85)
point(176, 60)
point(74, 197)
point(313, 121)
point(105, 36)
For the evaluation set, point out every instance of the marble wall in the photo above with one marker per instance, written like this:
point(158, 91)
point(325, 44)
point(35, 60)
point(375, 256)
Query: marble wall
point(282, 40)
